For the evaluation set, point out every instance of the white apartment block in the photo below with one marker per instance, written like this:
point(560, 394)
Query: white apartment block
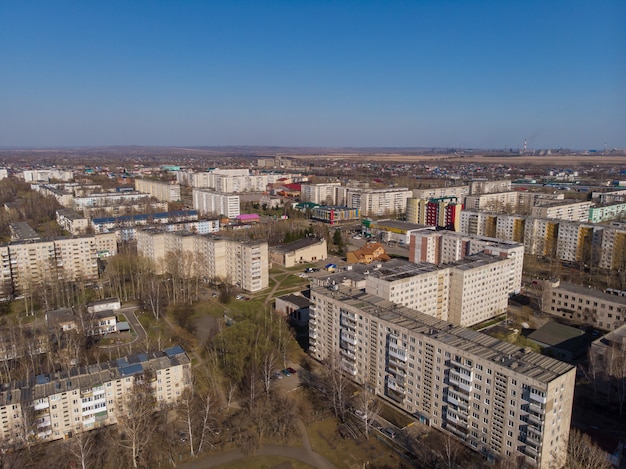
point(125, 209)
point(465, 293)
point(47, 175)
point(321, 194)
point(107, 199)
point(610, 196)
point(227, 181)
point(444, 247)
point(25, 265)
point(208, 202)
point(420, 287)
point(527, 200)
point(493, 202)
point(438, 192)
point(577, 211)
point(163, 191)
point(243, 263)
point(4, 173)
point(65, 198)
point(58, 405)
point(487, 187)
point(499, 399)
point(480, 287)
point(374, 202)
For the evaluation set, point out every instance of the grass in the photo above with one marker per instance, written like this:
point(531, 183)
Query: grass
point(265, 462)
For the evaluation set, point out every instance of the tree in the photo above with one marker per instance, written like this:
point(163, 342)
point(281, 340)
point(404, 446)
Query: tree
point(338, 241)
point(335, 384)
point(82, 448)
point(368, 406)
point(135, 419)
point(583, 453)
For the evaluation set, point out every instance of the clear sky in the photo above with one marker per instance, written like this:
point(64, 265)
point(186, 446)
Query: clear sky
point(482, 74)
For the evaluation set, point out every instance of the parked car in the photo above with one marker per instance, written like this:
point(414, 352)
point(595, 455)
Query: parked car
point(389, 432)
point(360, 414)
point(291, 370)
point(286, 372)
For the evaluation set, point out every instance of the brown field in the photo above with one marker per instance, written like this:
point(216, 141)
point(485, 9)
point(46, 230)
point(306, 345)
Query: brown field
point(551, 160)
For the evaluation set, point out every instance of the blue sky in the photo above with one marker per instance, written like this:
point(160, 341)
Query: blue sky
point(482, 74)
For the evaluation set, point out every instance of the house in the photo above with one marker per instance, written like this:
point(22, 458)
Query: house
point(369, 253)
point(303, 250)
point(103, 305)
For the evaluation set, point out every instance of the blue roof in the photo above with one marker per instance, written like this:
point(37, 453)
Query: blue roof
point(121, 362)
point(42, 379)
point(176, 350)
point(131, 369)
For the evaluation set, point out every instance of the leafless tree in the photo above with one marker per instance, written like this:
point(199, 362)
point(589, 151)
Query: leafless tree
point(368, 407)
point(82, 447)
point(336, 385)
point(583, 453)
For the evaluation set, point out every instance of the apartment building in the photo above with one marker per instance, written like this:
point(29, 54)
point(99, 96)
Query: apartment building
point(499, 202)
point(63, 197)
point(208, 202)
point(527, 200)
point(583, 305)
point(72, 222)
point(607, 212)
point(437, 192)
point(106, 224)
point(125, 209)
point(244, 263)
point(107, 199)
point(499, 399)
point(374, 202)
point(321, 194)
point(37, 175)
point(163, 191)
point(228, 181)
point(576, 211)
point(392, 230)
point(610, 196)
point(444, 247)
point(28, 264)
point(60, 404)
point(334, 214)
point(480, 186)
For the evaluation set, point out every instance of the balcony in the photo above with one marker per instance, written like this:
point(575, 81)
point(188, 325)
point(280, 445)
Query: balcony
point(349, 367)
point(348, 323)
point(349, 354)
point(42, 405)
point(351, 339)
point(397, 354)
point(43, 422)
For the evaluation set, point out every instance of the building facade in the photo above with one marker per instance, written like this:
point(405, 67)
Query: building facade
point(163, 191)
point(208, 202)
point(499, 399)
point(61, 404)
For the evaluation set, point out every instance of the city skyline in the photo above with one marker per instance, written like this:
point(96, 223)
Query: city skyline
point(317, 74)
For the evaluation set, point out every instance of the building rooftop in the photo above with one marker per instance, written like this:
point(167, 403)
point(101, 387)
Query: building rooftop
point(533, 365)
point(298, 244)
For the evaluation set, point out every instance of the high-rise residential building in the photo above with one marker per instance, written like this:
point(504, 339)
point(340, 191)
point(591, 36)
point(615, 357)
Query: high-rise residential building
point(163, 191)
point(442, 212)
point(500, 202)
point(436, 192)
point(227, 181)
point(374, 202)
point(321, 194)
point(480, 186)
point(61, 404)
point(444, 247)
point(571, 211)
point(502, 400)
point(242, 263)
point(47, 175)
point(208, 202)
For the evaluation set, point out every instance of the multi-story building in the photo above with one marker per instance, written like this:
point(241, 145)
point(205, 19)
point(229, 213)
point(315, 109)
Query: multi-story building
point(374, 202)
point(60, 404)
point(442, 212)
point(482, 186)
point(209, 202)
point(436, 192)
point(607, 212)
point(63, 197)
point(499, 399)
point(242, 263)
point(47, 175)
point(124, 209)
point(500, 202)
point(107, 199)
point(106, 224)
point(444, 247)
point(163, 191)
point(72, 222)
point(576, 211)
point(610, 196)
point(583, 305)
point(321, 194)
point(25, 265)
point(227, 181)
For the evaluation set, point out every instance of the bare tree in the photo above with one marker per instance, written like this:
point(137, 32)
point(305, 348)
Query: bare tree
point(583, 453)
point(135, 418)
point(82, 447)
point(368, 407)
point(336, 385)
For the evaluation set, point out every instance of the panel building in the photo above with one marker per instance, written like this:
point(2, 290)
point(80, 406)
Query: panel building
point(208, 202)
point(163, 191)
point(58, 405)
point(499, 399)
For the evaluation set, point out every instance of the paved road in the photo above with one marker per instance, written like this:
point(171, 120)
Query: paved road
point(304, 454)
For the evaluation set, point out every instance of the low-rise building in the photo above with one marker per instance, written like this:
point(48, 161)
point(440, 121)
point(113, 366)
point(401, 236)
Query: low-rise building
point(370, 252)
point(72, 222)
point(309, 249)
